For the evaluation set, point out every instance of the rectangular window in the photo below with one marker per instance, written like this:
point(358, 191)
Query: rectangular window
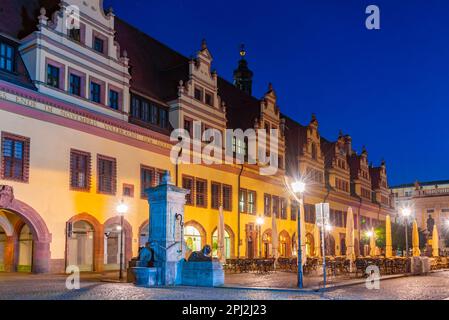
point(267, 205)
point(6, 57)
point(163, 117)
point(107, 175)
point(154, 114)
point(75, 85)
point(95, 92)
point(53, 76)
point(114, 99)
point(74, 34)
point(309, 213)
point(80, 170)
point(146, 180)
point(227, 197)
point(15, 157)
point(283, 209)
point(128, 190)
point(159, 175)
point(366, 193)
point(201, 193)
point(275, 200)
point(243, 200)
point(188, 126)
point(251, 202)
point(209, 99)
point(187, 183)
point(98, 45)
point(198, 94)
point(294, 208)
point(215, 195)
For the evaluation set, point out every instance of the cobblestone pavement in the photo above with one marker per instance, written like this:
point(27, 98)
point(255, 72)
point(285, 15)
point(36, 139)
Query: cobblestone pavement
point(434, 286)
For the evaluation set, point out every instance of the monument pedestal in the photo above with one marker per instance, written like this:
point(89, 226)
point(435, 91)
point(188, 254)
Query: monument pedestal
point(202, 274)
point(144, 276)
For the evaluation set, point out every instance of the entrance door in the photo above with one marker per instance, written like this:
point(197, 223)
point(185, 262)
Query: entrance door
point(25, 250)
point(80, 246)
point(112, 240)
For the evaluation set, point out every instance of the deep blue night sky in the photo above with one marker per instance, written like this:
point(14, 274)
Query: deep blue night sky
point(388, 88)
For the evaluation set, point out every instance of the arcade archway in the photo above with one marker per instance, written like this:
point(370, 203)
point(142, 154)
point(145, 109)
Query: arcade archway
point(24, 236)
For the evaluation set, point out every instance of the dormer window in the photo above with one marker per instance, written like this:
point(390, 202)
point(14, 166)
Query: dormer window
point(114, 99)
point(209, 100)
point(198, 94)
point(75, 34)
point(53, 76)
point(6, 57)
point(98, 44)
point(95, 92)
point(75, 85)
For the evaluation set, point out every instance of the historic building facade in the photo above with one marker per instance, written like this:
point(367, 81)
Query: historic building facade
point(428, 203)
point(87, 105)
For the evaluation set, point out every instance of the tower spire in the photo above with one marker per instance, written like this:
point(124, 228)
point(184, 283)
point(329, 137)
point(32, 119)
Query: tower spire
point(243, 76)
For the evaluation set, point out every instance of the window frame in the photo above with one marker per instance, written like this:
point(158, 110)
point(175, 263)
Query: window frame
point(202, 194)
point(87, 170)
point(113, 191)
point(191, 196)
point(12, 59)
point(225, 199)
point(143, 187)
point(25, 162)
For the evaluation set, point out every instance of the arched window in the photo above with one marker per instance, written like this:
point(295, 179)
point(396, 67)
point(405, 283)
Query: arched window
point(310, 245)
point(227, 244)
point(192, 238)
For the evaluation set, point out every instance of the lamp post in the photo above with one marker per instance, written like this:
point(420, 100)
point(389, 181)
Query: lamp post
point(122, 208)
point(406, 213)
point(259, 223)
point(299, 187)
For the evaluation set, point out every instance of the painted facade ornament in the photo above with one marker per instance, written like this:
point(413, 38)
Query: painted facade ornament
point(6, 196)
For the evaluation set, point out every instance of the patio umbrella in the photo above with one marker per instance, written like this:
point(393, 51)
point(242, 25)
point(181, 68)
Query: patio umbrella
point(349, 239)
point(303, 233)
point(317, 241)
point(388, 241)
point(415, 240)
point(274, 237)
point(221, 231)
point(372, 243)
point(435, 242)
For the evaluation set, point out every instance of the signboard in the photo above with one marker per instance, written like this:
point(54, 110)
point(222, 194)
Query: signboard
point(322, 213)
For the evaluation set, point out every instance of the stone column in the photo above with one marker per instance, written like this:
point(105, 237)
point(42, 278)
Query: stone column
point(166, 223)
point(41, 257)
point(9, 254)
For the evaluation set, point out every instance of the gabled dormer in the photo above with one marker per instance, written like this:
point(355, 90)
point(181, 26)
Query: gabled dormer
point(198, 98)
point(379, 184)
point(269, 119)
point(73, 56)
point(311, 158)
point(360, 176)
point(337, 168)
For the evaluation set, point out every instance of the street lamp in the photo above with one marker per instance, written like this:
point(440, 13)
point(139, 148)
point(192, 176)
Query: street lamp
point(122, 209)
point(406, 212)
point(259, 223)
point(299, 187)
